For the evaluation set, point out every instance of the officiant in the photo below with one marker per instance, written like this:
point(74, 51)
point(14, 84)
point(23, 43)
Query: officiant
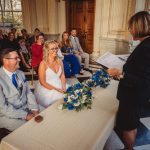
point(17, 103)
point(134, 85)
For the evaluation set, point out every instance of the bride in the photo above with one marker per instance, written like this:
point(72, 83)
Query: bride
point(52, 83)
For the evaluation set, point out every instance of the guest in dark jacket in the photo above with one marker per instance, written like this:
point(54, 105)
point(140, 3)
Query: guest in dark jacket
point(32, 39)
point(11, 42)
point(2, 37)
point(134, 86)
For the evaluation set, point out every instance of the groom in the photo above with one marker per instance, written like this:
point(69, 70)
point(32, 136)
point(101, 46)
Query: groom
point(17, 103)
point(78, 49)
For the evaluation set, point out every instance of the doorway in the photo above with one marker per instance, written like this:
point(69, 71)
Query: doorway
point(80, 15)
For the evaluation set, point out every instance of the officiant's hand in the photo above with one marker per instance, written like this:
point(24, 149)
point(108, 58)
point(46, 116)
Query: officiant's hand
point(114, 72)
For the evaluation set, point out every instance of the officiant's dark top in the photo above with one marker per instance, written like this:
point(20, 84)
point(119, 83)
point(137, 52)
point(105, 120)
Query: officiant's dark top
point(134, 88)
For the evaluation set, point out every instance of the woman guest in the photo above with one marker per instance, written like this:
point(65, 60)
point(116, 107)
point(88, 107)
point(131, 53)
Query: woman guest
point(70, 58)
point(11, 42)
point(32, 39)
point(37, 51)
point(25, 55)
point(52, 83)
point(26, 37)
point(134, 86)
point(67, 68)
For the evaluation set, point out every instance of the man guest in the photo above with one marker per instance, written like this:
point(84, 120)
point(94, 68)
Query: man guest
point(78, 49)
point(17, 103)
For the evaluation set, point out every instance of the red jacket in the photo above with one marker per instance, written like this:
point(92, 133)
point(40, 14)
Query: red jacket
point(37, 54)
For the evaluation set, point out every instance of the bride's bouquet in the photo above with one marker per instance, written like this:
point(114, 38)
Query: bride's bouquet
point(78, 96)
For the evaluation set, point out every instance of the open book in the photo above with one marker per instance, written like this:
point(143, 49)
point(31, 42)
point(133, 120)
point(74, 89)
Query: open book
point(110, 60)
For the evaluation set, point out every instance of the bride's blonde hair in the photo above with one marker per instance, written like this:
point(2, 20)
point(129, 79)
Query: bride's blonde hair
point(46, 50)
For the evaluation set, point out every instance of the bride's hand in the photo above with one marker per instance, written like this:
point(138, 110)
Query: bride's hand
point(60, 90)
point(64, 89)
point(114, 72)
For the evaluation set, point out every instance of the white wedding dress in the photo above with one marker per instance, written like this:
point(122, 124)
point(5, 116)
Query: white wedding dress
point(44, 96)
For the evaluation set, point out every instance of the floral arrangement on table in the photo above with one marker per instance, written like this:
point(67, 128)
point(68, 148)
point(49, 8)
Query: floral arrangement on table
point(78, 96)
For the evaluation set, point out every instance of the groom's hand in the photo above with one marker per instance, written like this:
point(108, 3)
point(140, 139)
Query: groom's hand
point(34, 112)
point(29, 116)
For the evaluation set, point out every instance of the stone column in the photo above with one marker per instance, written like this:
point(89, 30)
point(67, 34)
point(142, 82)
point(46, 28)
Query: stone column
point(61, 17)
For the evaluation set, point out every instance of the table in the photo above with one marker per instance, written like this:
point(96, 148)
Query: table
point(69, 130)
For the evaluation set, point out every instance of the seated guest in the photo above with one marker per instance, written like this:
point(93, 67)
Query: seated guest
point(14, 31)
point(11, 42)
point(67, 69)
point(17, 103)
point(77, 49)
point(37, 51)
point(25, 56)
point(32, 39)
point(2, 37)
point(26, 37)
point(66, 49)
point(52, 83)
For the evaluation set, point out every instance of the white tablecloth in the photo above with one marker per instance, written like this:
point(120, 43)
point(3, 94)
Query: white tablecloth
point(69, 130)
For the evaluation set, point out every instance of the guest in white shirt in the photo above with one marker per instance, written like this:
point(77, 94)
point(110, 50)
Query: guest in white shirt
point(17, 103)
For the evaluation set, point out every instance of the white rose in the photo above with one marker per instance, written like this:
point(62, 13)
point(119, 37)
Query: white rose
point(76, 97)
point(82, 101)
point(76, 104)
point(77, 91)
point(69, 99)
point(72, 96)
point(65, 95)
point(84, 97)
point(81, 90)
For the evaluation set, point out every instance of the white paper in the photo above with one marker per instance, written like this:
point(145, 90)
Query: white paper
point(110, 60)
point(123, 57)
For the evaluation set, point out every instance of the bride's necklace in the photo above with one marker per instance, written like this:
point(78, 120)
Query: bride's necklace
point(52, 64)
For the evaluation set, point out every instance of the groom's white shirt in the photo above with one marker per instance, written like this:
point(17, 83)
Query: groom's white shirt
point(8, 72)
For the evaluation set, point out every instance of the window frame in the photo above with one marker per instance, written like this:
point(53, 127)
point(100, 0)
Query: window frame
point(11, 11)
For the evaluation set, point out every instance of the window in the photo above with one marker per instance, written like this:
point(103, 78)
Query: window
point(10, 13)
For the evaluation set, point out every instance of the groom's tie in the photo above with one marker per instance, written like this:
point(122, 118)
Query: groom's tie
point(14, 80)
